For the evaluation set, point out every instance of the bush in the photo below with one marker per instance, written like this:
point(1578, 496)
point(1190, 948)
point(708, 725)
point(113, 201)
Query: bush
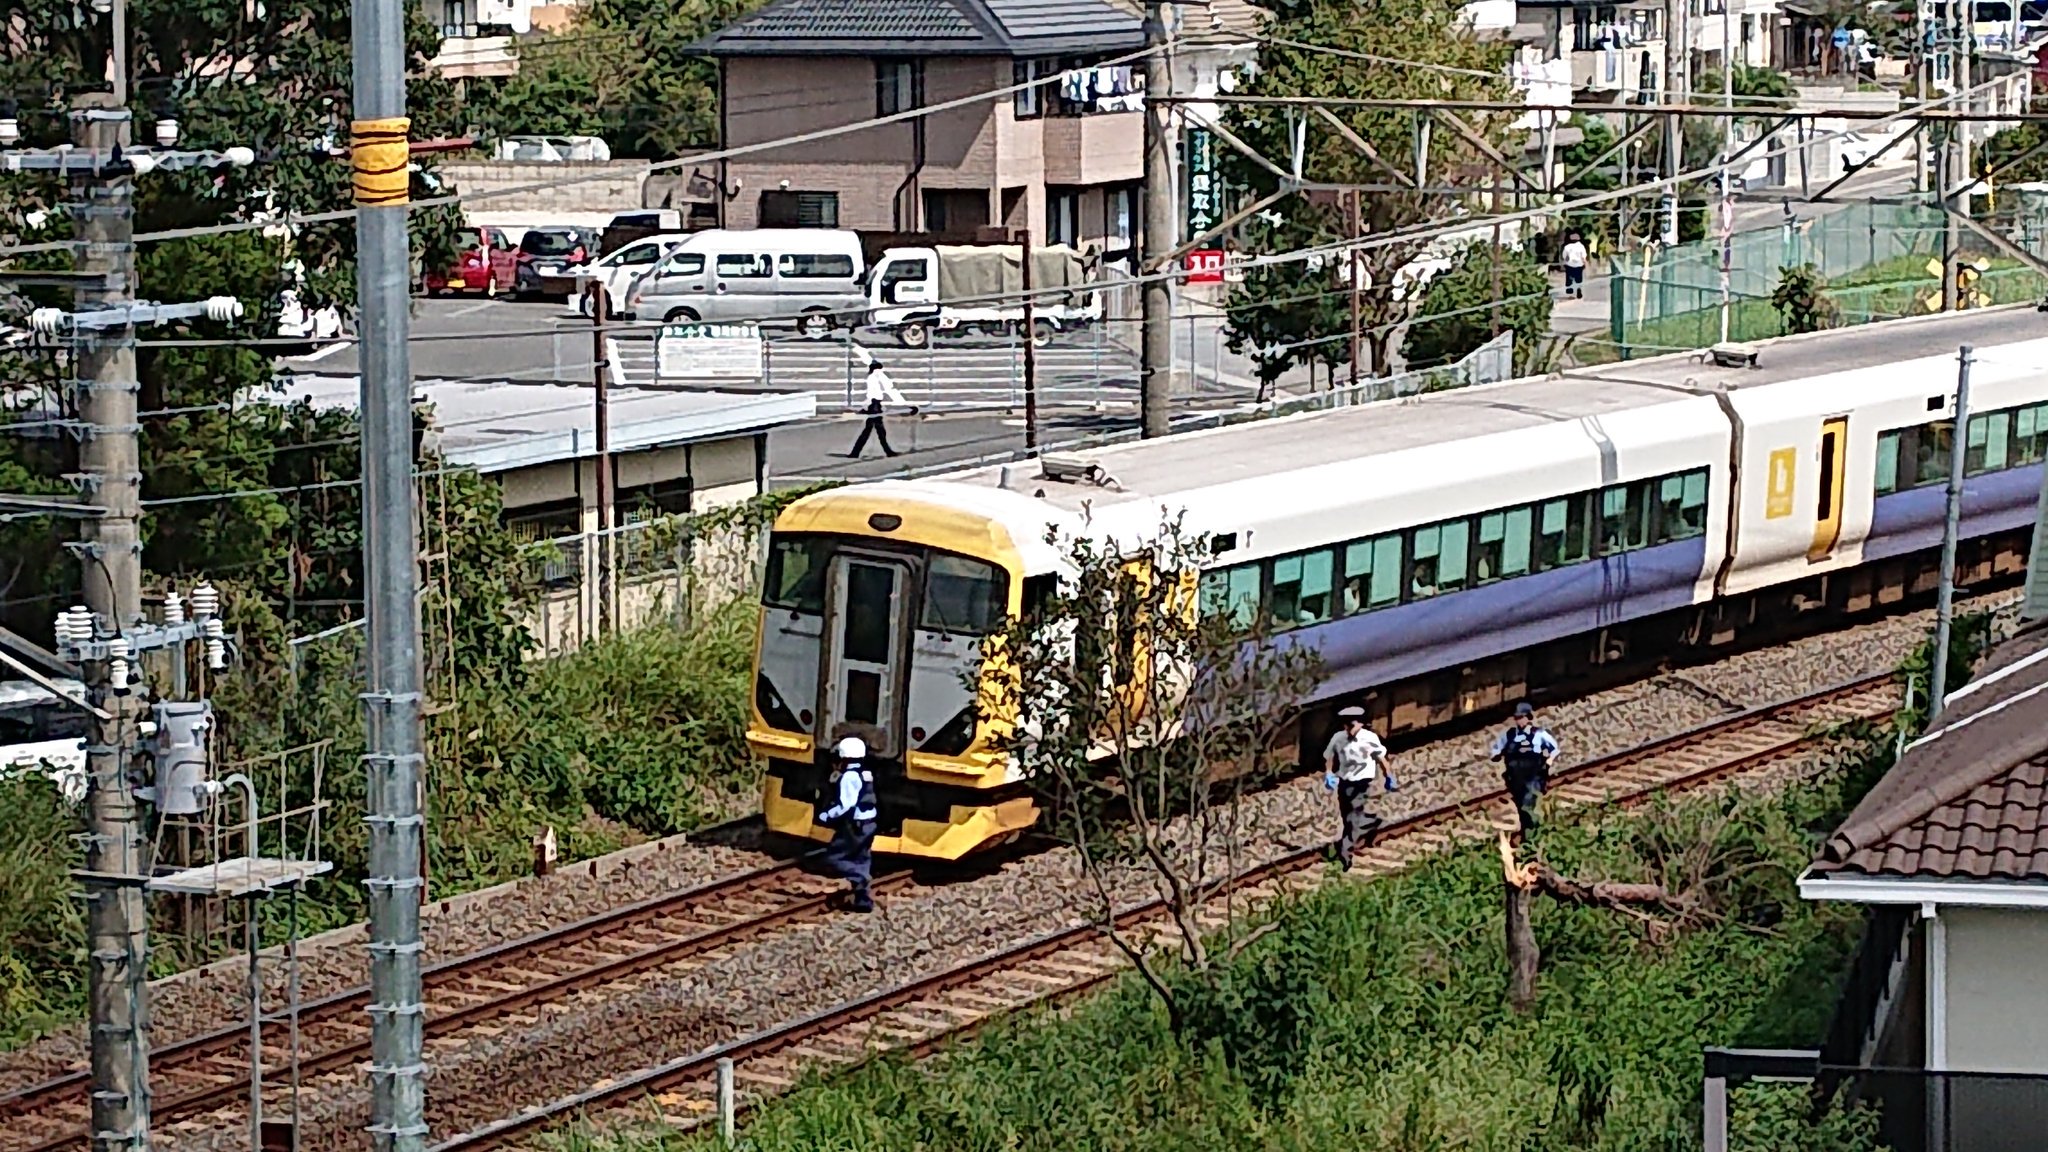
point(42, 968)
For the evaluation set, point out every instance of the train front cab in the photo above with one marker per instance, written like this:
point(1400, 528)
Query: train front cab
point(873, 612)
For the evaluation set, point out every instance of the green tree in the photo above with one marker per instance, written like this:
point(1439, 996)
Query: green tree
point(1458, 313)
point(1444, 63)
point(622, 71)
point(1801, 300)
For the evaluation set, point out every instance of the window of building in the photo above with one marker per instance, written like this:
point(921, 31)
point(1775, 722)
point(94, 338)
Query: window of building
point(799, 209)
point(1062, 217)
point(1032, 101)
point(899, 86)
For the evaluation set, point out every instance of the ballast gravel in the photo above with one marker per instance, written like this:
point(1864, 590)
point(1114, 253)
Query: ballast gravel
point(927, 928)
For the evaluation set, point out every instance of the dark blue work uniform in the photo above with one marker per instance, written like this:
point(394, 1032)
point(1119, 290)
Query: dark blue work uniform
point(1525, 755)
point(851, 852)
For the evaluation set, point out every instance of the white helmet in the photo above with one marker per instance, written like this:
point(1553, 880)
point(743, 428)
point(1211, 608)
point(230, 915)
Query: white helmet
point(851, 749)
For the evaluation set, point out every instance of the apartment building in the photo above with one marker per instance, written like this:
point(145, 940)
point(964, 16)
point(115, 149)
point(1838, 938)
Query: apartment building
point(1063, 159)
point(1616, 49)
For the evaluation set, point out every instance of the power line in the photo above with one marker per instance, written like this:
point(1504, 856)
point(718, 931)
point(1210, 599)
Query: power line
point(810, 137)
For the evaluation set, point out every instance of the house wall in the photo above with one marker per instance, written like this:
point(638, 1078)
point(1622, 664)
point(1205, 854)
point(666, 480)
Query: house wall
point(1997, 992)
point(770, 98)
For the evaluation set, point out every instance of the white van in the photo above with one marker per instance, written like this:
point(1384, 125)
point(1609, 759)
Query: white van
point(808, 278)
point(618, 271)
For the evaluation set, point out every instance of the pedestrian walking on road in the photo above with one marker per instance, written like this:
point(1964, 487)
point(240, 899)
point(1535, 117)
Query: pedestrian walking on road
point(1526, 751)
point(1573, 256)
point(851, 852)
point(1349, 763)
point(880, 388)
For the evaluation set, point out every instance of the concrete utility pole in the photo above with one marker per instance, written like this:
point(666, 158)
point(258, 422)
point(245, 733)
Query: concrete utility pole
point(1678, 90)
point(1727, 152)
point(1955, 172)
point(117, 919)
point(379, 154)
point(1924, 71)
point(1155, 351)
point(1030, 345)
point(600, 382)
point(1945, 592)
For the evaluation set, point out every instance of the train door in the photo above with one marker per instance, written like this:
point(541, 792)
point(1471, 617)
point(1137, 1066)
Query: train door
point(1827, 514)
point(864, 653)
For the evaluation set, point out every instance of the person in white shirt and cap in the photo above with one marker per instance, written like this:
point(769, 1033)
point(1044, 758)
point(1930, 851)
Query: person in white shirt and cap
point(1350, 761)
point(879, 388)
point(851, 852)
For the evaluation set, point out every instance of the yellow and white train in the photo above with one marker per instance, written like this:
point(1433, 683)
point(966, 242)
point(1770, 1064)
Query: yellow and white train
point(1445, 554)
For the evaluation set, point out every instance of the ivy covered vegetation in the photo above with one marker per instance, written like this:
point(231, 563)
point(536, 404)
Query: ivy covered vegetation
point(1375, 1017)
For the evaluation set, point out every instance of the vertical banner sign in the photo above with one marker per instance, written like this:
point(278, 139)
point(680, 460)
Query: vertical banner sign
point(1202, 191)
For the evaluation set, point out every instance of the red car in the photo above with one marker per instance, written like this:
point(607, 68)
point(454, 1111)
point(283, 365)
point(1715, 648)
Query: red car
point(489, 264)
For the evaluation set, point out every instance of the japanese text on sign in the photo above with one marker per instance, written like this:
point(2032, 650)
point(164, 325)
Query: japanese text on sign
point(708, 352)
point(1205, 266)
point(1203, 190)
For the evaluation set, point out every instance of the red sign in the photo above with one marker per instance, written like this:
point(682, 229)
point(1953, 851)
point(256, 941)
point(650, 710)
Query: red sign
point(1205, 266)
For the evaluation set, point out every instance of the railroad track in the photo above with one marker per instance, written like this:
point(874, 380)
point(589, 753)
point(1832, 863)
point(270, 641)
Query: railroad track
point(918, 1017)
point(211, 1071)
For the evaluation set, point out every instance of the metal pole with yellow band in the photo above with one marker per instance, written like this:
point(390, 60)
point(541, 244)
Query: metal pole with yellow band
point(391, 700)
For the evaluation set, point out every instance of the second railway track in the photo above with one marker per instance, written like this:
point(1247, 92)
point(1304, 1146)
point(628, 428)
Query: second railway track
point(923, 1014)
point(211, 1071)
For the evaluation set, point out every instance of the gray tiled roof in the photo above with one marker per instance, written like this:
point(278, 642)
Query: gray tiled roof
point(928, 28)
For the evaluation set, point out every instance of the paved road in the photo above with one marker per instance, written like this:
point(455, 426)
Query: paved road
point(506, 340)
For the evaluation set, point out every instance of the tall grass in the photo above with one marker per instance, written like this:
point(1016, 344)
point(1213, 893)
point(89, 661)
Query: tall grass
point(1374, 1018)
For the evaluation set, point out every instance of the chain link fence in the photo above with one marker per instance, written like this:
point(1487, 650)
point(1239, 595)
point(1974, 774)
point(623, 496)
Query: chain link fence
point(1873, 257)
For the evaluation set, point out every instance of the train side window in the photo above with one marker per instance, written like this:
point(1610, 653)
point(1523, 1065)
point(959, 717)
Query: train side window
point(1301, 589)
point(1692, 506)
point(1989, 445)
point(1372, 573)
point(1931, 450)
point(1624, 523)
point(1562, 536)
point(796, 573)
point(1437, 558)
point(1887, 462)
point(1501, 549)
point(1232, 593)
point(2030, 434)
point(1039, 592)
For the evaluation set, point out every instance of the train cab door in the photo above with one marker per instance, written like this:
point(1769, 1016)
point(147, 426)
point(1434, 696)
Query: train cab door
point(1827, 513)
point(864, 653)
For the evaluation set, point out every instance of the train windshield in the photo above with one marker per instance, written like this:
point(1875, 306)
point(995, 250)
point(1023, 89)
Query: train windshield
point(796, 573)
point(963, 596)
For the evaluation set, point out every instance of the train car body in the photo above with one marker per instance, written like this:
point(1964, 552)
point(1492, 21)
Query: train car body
point(1446, 554)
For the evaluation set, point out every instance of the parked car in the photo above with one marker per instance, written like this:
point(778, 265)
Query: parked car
point(548, 258)
point(489, 264)
point(618, 270)
point(807, 278)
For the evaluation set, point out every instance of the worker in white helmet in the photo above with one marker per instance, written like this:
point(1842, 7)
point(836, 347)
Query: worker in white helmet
point(852, 820)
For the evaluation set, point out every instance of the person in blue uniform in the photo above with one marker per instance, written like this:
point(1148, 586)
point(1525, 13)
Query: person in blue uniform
point(851, 852)
point(1526, 751)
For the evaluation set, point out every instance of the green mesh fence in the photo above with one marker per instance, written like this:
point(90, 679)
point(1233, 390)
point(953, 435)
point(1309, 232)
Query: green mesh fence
point(1873, 256)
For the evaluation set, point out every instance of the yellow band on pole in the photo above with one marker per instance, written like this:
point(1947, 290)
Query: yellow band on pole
point(379, 151)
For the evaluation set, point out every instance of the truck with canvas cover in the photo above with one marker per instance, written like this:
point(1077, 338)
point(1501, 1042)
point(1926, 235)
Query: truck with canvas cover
point(954, 290)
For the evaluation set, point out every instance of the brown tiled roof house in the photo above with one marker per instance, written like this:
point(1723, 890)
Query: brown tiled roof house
point(1950, 852)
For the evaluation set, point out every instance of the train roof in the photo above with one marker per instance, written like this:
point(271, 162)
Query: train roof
point(1185, 462)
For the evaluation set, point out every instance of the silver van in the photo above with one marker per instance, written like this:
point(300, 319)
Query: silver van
point(811, 279)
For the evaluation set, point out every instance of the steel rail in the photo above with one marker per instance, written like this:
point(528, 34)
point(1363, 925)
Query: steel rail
point(778, 1038)
point(233, 1040)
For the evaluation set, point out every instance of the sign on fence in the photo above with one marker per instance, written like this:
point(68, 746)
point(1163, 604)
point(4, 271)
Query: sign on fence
point(709, 352)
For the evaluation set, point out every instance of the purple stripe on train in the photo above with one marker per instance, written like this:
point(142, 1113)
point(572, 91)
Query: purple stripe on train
point(1910, 521)
point(1459, 628)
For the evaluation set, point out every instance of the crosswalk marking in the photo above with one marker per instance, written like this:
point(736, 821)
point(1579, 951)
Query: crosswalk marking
point(967, 376)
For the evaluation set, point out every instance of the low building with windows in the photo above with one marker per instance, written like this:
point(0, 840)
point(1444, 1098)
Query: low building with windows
point(672, 452)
